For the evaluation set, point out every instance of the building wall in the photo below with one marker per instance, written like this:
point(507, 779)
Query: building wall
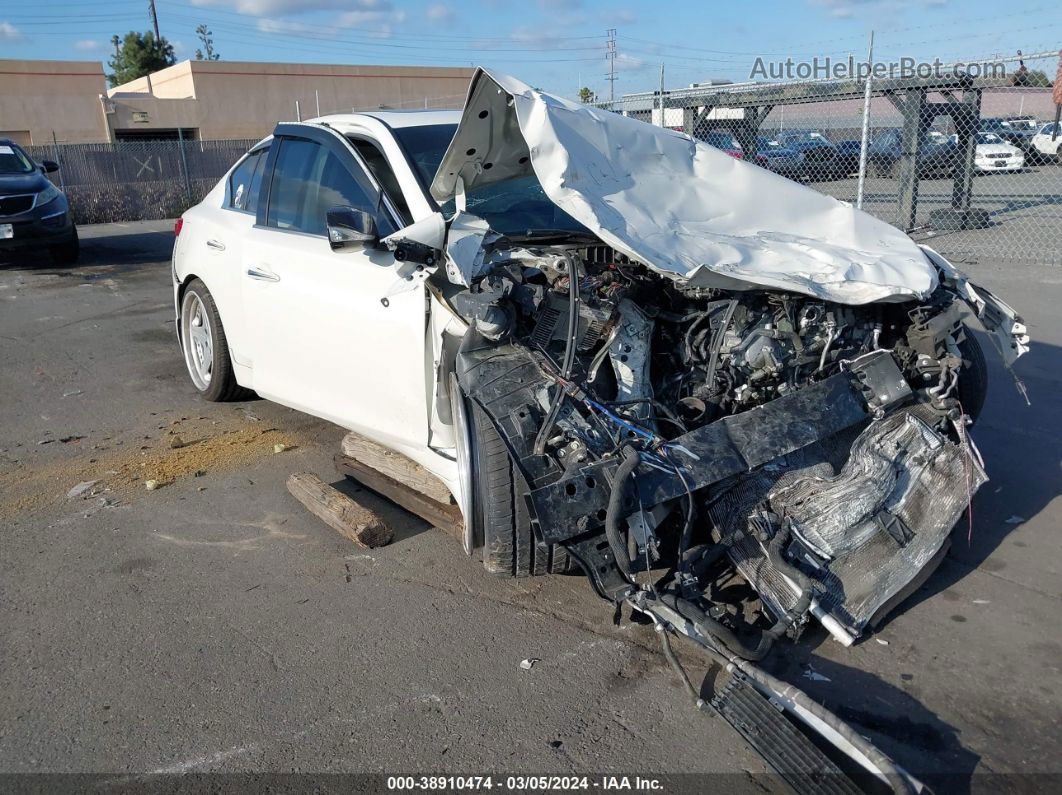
point(224, 99)
point(39, 97)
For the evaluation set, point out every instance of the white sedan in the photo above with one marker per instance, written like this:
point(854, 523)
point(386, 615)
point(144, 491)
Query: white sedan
point(594, 331)
point(1048, 142)
point(992, 153)
point(546, 305)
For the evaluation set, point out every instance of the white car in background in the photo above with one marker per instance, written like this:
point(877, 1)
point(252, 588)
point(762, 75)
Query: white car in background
point(992, 153)
point(1048, 142)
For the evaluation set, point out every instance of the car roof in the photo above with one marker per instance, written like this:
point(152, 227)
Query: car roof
point(392, 118)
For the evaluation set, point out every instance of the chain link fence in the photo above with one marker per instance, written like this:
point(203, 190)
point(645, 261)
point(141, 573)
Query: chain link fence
point(138, 180)
point(983, 182)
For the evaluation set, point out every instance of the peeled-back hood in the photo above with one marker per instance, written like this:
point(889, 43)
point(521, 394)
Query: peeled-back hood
point(680, 206)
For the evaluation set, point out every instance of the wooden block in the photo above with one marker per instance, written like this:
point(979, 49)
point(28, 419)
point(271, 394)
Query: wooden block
point(397, 467)
point(444, 516)
point(339, 511)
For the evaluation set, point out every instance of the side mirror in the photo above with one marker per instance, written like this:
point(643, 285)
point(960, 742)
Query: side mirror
point(347, 226)
point(49, 166)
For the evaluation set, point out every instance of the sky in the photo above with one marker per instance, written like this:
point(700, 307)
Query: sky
point(556, 45)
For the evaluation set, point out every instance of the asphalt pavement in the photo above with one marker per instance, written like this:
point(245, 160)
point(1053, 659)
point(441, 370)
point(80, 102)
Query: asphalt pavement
point(213, 625)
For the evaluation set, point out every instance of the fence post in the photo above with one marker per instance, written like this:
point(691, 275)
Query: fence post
point(55, 150)
point(184, 166)
point(864, 142)
point(663, 105)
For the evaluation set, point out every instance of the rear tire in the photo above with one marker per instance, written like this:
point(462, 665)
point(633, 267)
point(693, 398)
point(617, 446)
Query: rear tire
point(973, 378)
point(206, 350)
point(509, 546)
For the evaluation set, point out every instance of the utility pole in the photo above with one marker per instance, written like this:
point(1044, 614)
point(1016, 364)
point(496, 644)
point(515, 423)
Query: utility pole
point(610, 56)
point(154, 21)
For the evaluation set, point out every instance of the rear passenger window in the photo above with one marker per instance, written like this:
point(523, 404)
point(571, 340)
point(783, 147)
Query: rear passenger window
point(245, 181)
point(308, 180)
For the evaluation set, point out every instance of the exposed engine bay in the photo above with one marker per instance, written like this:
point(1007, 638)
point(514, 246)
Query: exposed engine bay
point(674, 437)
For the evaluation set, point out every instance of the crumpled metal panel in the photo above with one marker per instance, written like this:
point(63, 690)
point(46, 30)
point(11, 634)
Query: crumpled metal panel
point(933, 481)
point(683, 208)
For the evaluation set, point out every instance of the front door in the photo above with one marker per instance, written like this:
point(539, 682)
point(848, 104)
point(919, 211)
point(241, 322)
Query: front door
point(323, 341)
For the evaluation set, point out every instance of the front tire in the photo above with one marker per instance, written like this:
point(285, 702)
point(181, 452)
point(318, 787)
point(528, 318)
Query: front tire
point(499, 512)
point(67, 253)
point(973, 377)
point(206, 350)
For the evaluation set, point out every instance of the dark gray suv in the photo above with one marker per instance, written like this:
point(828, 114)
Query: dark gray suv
point(34, 214)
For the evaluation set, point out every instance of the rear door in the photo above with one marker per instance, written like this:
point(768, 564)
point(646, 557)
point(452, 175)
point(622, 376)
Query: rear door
point(323, 341)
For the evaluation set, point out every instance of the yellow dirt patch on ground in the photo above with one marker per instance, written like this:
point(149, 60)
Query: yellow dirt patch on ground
point(202, 449)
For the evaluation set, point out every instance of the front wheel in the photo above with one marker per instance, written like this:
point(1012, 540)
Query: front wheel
point(206, 351)
point(973, 377)
point(497, 516)
point(66, 253)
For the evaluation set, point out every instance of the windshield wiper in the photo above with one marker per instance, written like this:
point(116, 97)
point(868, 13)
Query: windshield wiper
point(551, 234)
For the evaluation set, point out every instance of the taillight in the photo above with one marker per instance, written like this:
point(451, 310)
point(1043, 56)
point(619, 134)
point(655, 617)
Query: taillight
point(177, 226)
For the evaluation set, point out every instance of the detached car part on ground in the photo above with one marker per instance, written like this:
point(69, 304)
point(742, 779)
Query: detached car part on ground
point(668, 366)
point(732, 374)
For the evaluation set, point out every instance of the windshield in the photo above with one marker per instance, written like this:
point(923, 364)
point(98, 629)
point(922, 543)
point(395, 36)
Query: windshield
point(14, 161)
point(768, 144)
point(721, 140)
point(515, 207)
point(803, 137)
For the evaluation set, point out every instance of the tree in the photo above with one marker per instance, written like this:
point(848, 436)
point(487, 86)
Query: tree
point(1037, 78)
point(138, 54)
point(586, 96)
point(207, 53)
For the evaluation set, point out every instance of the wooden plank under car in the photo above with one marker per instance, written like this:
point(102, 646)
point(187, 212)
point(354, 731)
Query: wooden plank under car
point(347, 517)
point(400, 480)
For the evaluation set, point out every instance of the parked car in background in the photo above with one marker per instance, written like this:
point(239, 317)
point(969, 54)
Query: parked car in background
point(1015, 130)
point(721, 139)
point(848, 156)
point(1047, 143)
point(34, 214)
point(992, 153)
point(778, 158)
point(820, 155)
point(936, 154)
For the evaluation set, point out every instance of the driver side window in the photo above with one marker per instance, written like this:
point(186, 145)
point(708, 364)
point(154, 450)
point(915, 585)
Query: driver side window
point(308, 180)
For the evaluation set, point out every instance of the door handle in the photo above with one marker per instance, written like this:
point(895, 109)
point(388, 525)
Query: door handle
point(217, 245)
point(262, 275)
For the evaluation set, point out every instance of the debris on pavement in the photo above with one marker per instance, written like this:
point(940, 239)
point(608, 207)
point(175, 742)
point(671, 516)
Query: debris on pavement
point(151, 485)
point(1015, 519)
point(348, 518)
point(529, 663)
point(882, 641)
point(80, 489)
point(280, 447)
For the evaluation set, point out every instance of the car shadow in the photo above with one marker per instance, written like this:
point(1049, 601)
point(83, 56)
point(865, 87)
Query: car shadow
point(100, 256)
point(895, 721)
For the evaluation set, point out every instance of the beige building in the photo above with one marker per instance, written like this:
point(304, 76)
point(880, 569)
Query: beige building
point(204, 99)
point(39, 98)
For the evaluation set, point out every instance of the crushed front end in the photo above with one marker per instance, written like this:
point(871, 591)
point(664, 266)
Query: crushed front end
point(735, 423)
